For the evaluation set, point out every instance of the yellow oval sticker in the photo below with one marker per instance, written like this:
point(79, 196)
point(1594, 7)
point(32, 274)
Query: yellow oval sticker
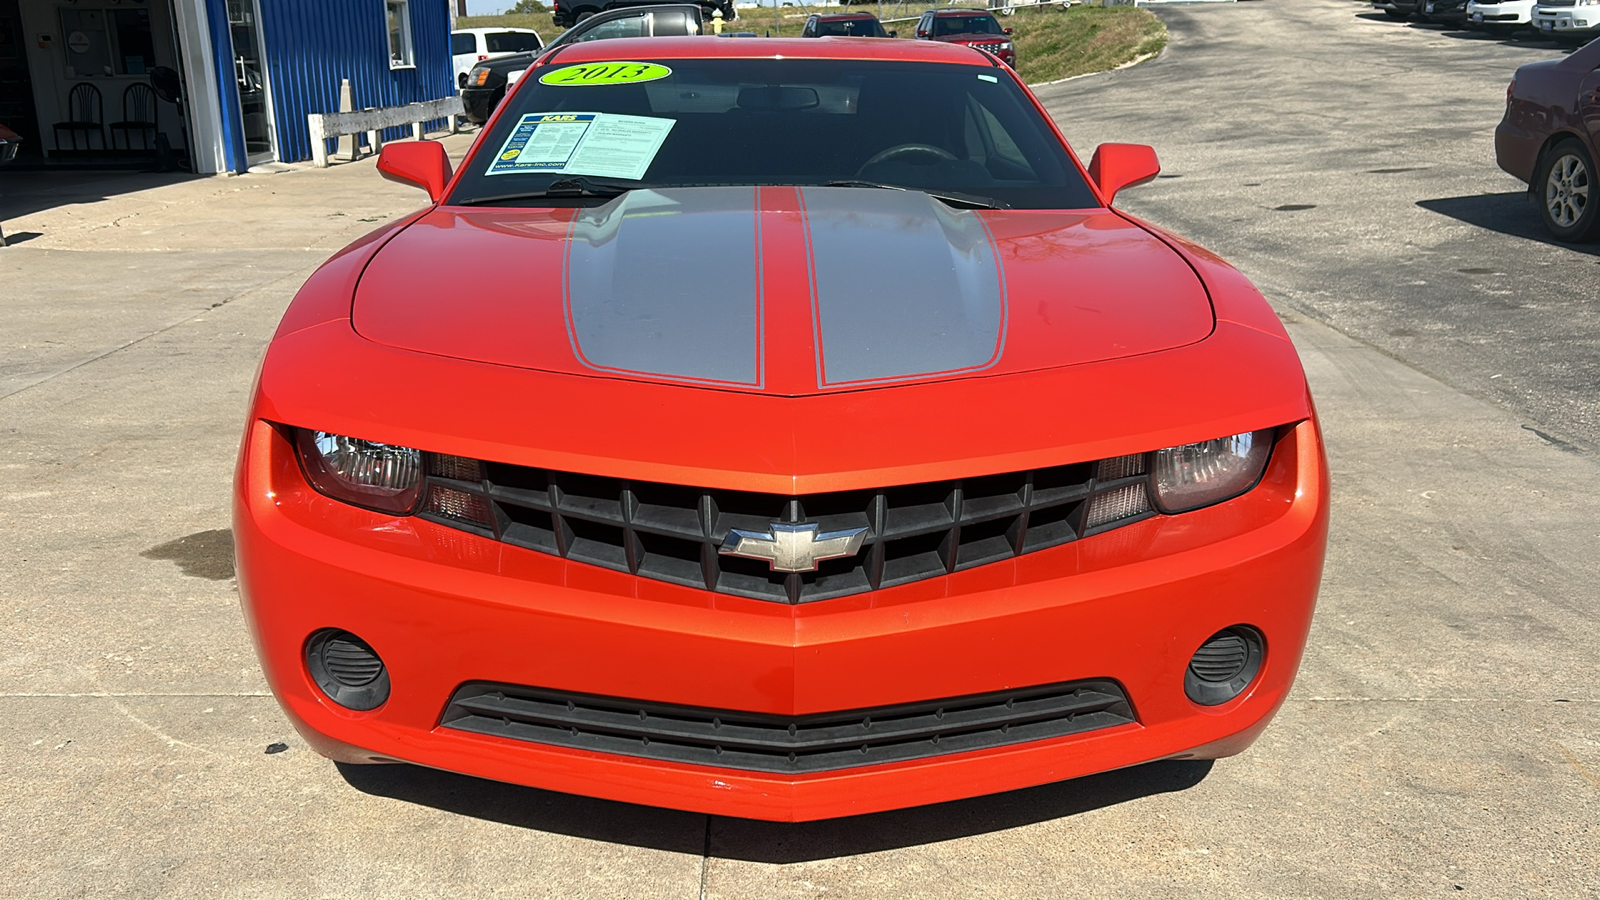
point(605, 73)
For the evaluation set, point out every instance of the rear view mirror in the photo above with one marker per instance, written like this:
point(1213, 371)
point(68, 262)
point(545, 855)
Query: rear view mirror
point(421, 163)
point(1116, 166)
point(772, 98)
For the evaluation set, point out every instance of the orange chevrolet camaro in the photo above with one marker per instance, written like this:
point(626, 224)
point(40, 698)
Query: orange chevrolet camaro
point(780, 429)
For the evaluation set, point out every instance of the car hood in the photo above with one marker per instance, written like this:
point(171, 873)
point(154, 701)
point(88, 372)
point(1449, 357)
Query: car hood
point(779, 290)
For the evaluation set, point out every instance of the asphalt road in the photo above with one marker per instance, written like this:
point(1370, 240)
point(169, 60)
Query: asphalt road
point(1345, 161)
point(1443, 738)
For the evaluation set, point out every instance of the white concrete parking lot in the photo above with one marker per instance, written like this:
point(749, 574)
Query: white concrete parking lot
point(1444, 736)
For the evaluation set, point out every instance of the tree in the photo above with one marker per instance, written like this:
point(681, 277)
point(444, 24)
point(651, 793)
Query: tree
point(526, 7)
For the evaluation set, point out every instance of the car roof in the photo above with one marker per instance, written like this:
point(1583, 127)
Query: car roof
point(708, 47)
point(845, 17)
point(491, 30)
point(952, 13)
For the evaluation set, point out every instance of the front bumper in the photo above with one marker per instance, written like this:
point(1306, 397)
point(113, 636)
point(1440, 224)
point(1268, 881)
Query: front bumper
point(1498, 13)
point(444, 608)
point(1568, 21)
point(478, 103)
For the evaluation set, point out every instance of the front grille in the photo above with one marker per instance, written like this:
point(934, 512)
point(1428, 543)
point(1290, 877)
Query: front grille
point(674, 533)
point(791, 744)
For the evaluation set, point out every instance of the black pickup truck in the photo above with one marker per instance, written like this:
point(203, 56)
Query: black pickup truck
point(567, 13)
point(487, 82)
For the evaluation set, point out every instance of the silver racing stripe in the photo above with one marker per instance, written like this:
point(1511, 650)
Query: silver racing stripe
point(904, 286)
point(666, 283)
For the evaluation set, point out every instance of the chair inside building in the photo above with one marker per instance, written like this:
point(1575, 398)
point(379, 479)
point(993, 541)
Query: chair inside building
point(138, 117)
point(85, 118)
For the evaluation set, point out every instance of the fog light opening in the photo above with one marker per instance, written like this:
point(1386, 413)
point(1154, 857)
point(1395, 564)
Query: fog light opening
point(347, 669)
point(1224, 665)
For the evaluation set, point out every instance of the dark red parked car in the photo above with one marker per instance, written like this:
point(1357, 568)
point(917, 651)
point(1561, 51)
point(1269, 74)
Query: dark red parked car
point(973, 27)
point(1549, 136)
point(857, 24)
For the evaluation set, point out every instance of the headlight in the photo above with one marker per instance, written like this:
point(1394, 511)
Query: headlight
point(1003, 47)
point(1197, 475)
point(383, 477)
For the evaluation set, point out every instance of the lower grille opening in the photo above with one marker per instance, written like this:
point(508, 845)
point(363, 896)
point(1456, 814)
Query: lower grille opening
point(819, 742)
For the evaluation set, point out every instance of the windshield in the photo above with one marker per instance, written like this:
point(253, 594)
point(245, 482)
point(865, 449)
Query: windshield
point(952, 25)
point(850, 28)
point(939, 128)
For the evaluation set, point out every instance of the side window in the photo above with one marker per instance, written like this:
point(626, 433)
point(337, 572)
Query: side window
point(399, 16)
point(971, 135)
point(811, 28)
point(632, 26)
point(512, 42)
point(461, 44)
point(1005, 148)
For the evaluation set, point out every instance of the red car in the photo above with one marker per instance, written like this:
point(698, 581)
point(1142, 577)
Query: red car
point(1549, 136)
point(858, 24)
point(813, 439)
point(970, 27)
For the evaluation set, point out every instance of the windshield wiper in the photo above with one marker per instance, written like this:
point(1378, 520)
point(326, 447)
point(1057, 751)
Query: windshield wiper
point(973, 201)
point(579, 186)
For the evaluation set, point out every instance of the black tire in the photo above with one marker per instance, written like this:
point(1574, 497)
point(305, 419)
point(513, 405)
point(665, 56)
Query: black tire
point(1568, 192)
point(461, 81)
point(586, 14)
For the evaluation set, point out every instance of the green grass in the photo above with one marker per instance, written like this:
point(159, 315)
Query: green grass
point(1052, 42)
point(539, 22)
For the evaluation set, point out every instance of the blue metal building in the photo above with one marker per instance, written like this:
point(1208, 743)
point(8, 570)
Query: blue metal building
point(277, 60)
point(250, 72)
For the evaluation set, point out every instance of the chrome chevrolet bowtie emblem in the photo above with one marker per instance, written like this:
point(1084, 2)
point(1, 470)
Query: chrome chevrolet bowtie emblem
point(793, 548)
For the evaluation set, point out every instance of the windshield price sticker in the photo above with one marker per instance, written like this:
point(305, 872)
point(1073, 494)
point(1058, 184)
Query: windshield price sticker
point(581, 143)
point(605, 73)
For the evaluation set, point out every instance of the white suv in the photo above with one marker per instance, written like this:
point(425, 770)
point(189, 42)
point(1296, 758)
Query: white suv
point(1508, 15)
point(471, 46)
point(1578, 18)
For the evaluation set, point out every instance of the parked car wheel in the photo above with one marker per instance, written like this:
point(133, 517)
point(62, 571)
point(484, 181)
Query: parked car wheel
point(461, 81)
point(1567, 192)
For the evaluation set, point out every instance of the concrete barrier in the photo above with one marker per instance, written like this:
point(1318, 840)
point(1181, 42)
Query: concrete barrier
point(325, 126)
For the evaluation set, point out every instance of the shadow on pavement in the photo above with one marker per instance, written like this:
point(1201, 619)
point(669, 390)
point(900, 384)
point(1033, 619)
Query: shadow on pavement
point(24, 192)
point(1510, 213)
point(768, 842)
point(204, 554)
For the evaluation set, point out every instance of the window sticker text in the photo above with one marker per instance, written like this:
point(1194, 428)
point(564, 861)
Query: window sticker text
point(581, 143)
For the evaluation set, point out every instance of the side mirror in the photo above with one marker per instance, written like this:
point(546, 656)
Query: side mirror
point(422, 163)
point(894, 34)
point(922, 32)
point(1008, 31)
point(1116, 166)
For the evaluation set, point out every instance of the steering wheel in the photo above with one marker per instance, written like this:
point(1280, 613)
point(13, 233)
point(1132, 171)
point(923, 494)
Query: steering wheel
point(930, 152)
